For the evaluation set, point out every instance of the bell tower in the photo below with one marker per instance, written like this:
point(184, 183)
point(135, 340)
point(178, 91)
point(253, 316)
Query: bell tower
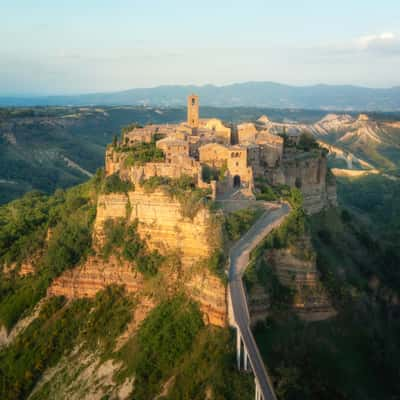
point(193, 111)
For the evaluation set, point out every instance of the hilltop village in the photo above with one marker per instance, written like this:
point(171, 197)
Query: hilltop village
point(149, 170)
point(227, 160)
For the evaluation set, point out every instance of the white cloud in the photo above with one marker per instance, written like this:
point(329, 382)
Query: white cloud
point(386, 42)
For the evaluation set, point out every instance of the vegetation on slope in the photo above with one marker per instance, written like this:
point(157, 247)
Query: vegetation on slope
point(142, 153)
point(55, 231)
point(237, 223)
point(376, 199)
point(122, 238)
point(114, 184)
point(173, 345)
point(352, 355)
point(92, 324)
point(168, 343)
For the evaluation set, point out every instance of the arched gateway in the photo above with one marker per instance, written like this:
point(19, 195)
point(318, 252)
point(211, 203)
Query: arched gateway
point(236, 181)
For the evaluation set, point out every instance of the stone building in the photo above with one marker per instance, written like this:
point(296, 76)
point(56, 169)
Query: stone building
point(214, 155)
point(173, 148)
point(216, 130)
point(193, 111)
point(271, 149)
point(235, 159)
point(246, 132)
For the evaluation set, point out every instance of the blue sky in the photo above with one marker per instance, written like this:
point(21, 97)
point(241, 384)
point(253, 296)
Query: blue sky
point(54, 47)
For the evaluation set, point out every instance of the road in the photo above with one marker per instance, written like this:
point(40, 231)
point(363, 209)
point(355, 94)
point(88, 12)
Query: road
point(239, 259)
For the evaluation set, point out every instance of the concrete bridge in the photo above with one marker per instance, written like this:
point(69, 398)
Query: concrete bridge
point(247, 351)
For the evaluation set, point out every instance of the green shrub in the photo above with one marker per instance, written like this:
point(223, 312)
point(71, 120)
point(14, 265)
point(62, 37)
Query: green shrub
point(307, 142)
point(142, 153)
point(239, 222)
point(216, 264)
point(267, 194)
point(148, 264)
point(151, 184)
point(69, 244)
point(114, 231)
point(23, 296)
point(114, 184)
point(209, 174)
point(23, 225)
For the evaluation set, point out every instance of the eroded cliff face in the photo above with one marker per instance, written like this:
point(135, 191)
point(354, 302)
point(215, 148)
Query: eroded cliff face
point(309, 172)
point(209, 291)
point(310, 299)
point(161, 223)
point(162, 226)
point(95, 275)
point(295, 269)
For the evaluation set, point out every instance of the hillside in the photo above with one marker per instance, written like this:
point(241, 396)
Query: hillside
point(375, 141)
point(88, 313)
point(249, 94)
point(353, 353)
point(139, 323)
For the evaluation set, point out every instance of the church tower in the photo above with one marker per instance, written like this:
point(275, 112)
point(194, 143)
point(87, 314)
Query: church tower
point(193, 111)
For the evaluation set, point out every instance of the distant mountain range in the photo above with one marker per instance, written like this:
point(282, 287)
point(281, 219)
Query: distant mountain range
point(249, 94)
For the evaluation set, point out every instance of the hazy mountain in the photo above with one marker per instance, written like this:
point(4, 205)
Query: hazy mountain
point(259, 94)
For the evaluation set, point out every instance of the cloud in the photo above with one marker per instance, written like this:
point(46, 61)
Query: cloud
point(386, 42)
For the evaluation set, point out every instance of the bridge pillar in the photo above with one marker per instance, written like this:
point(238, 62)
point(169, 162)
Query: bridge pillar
point(238, 346)
point(246, 356)
point(258, 393)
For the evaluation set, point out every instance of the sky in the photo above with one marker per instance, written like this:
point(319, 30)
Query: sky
point(83, 46)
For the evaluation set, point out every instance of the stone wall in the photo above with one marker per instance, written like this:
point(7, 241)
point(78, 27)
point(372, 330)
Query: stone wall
point(179, 165)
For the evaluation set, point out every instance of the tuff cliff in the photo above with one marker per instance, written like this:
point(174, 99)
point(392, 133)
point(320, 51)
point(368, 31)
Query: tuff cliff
point(163, 227)
point(308, 171)
point(288, 277)
point(160, 223)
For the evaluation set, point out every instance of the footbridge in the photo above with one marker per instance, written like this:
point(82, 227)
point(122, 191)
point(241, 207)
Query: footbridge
point(248, 355)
